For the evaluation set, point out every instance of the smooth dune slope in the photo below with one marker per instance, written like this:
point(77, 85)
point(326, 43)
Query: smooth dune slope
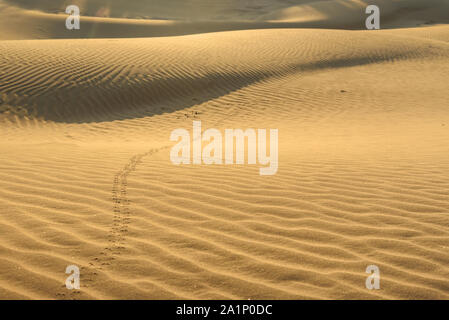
point(363, 175)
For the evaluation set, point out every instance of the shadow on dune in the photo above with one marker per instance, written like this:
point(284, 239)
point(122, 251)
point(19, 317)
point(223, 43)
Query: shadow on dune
point(129, 99)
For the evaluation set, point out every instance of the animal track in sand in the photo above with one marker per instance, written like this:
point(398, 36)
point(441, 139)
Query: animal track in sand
point(117, 233)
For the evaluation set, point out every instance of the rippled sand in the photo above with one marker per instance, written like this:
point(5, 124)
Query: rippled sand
point(86, 177)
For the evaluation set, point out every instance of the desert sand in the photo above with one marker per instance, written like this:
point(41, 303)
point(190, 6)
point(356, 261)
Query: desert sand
point(86, 179)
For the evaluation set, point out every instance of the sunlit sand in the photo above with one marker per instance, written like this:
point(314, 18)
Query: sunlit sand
point(85, 170)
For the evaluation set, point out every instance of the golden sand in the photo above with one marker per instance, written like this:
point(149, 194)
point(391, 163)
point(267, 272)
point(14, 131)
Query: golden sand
point(86, 178)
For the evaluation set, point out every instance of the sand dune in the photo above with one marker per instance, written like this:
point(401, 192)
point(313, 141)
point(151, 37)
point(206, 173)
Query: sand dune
point(69, 82)
point(46, 19)
point(87, 179)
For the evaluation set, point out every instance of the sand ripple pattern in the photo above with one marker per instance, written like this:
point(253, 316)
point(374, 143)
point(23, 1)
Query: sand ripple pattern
point(86, 177)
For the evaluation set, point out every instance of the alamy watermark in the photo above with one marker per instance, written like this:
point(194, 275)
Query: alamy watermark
point(373, 20)
point(373, 280)
point(73, 20)
point(190, 150)
point(73, 280)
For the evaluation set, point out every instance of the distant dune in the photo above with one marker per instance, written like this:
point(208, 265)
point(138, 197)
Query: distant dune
point(363, 124)
point(20, 19)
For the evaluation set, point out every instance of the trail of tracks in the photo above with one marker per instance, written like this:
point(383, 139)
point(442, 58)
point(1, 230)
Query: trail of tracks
point(121, 203)
point(121, 220)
